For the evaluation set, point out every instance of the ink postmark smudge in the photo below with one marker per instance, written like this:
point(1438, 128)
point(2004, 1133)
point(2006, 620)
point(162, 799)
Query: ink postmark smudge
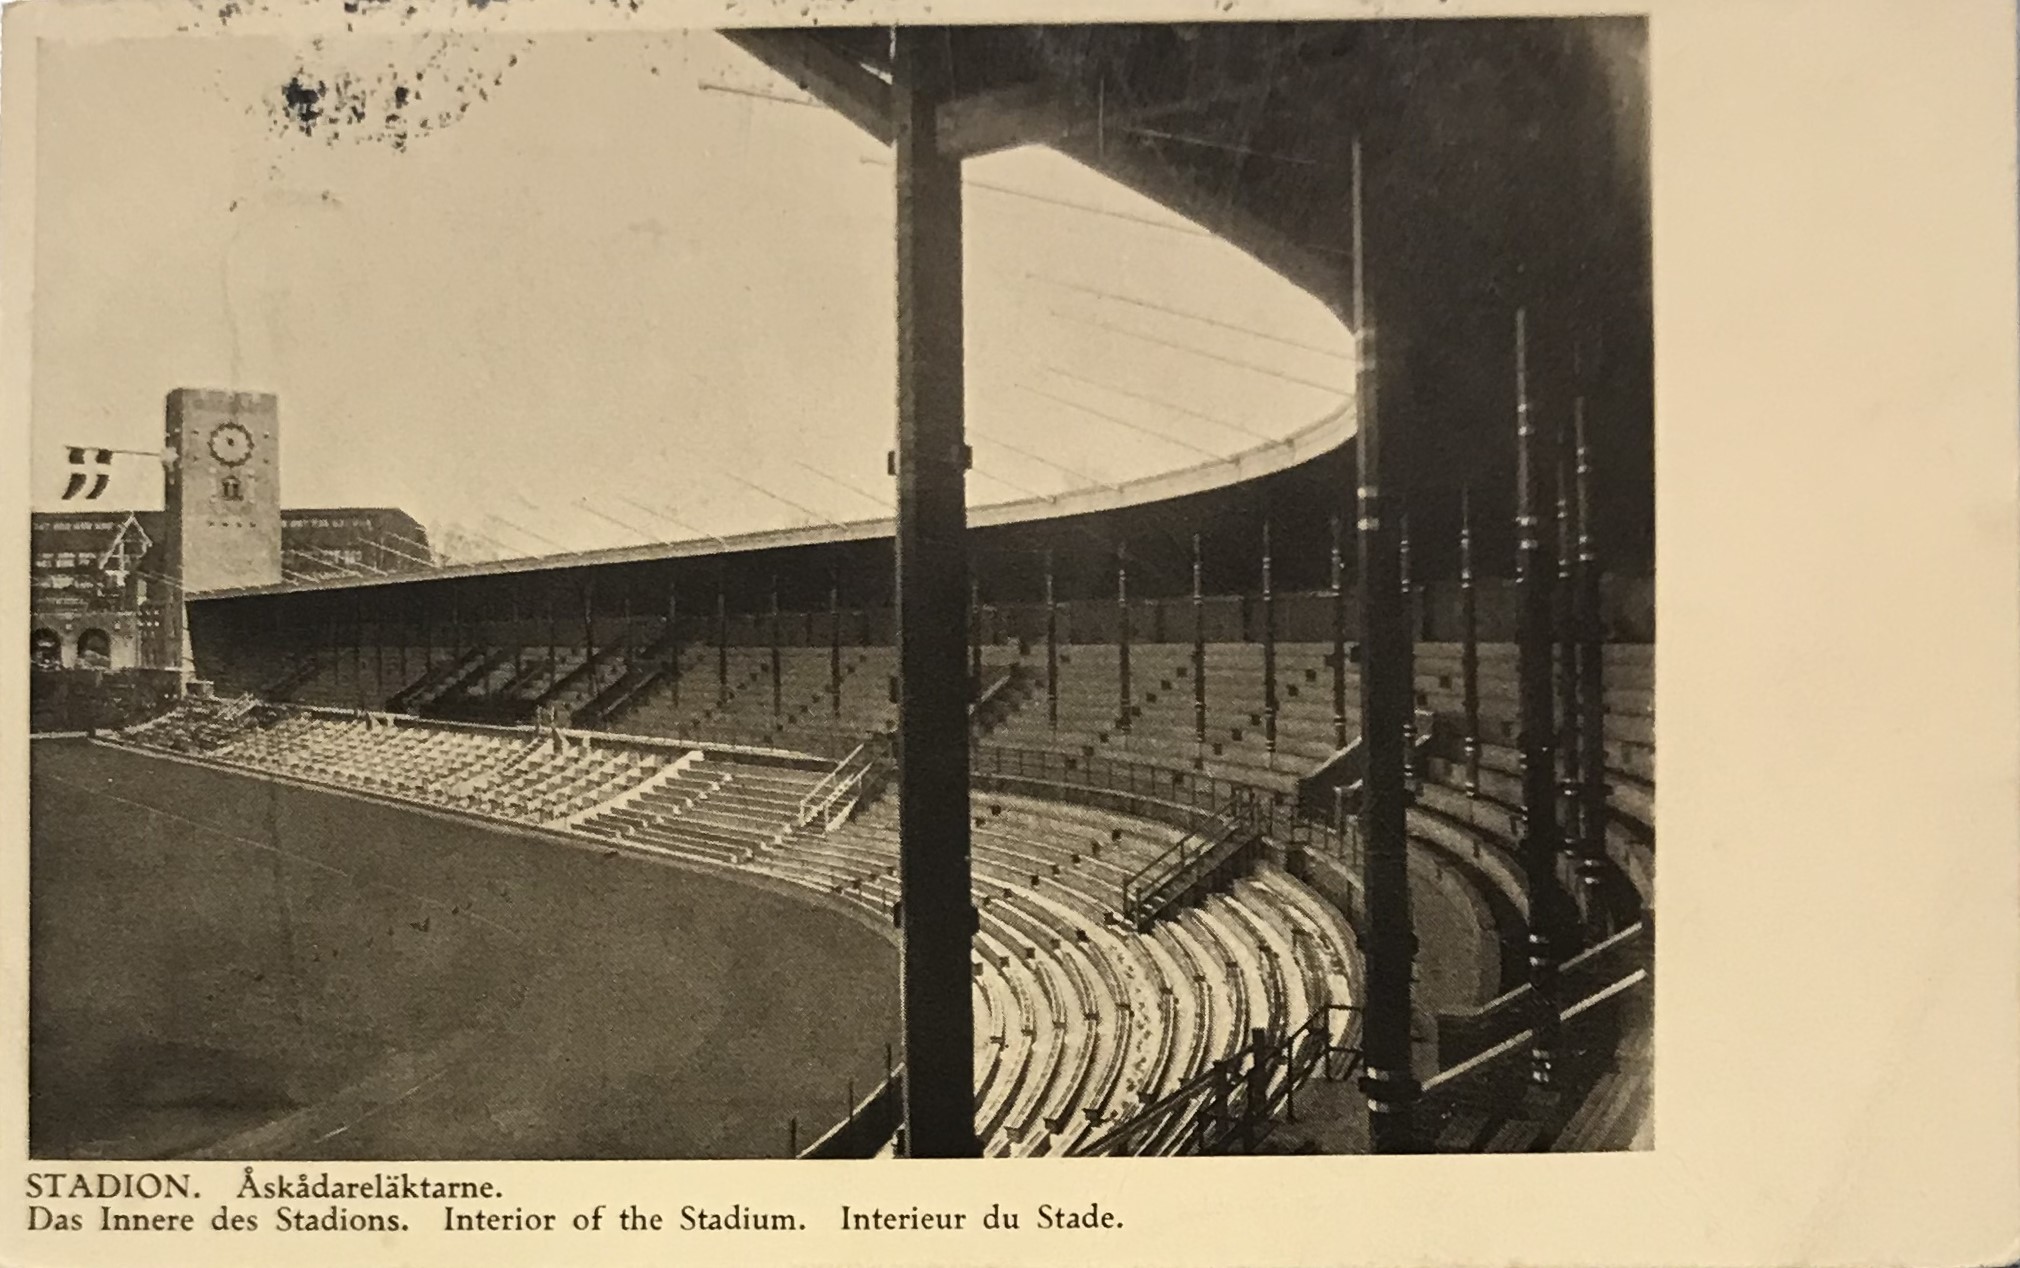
point(333, 99)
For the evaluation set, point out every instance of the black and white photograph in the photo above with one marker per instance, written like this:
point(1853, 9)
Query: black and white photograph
point(1007, 591)
point(685, 631)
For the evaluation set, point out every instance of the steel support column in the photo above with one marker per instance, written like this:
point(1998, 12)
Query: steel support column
point(1565, 601)
point(1122, 692)
point(721, 647)
point(1533, 575)
point(936, 912)
point(778, 678)
point(1269, 633)
point(835, 645)
point(974, 638)
point(1469, 644)
point(673, 644)
point(1339, 656)
point(1051, 648)
point(1592, 679)
point(1388, 1079)
point(1198, 654)
point(1408, 590)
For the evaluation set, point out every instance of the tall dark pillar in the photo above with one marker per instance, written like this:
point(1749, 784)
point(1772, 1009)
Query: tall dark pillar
point(630, 635)
point(1051, 648)
point(1538, 734)
point(673, 643)
point(1198, 653)
point(835, 645)
point(936, 913)
point(1592, 680)
point(1339, 657)
point(1122, 690)
point(721, 647)
point(974, 637)
point(772, 634)
point(1469, 644)
point(1409, 592)
point(518, 630)
point(1269, 632)
point(1565, 634)
point(553, 645)
point(1390, 946)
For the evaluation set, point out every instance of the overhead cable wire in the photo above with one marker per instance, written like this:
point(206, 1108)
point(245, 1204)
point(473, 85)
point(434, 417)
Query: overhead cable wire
point(694, 533)
point(1014, 487)
point(1158, 134)
point(1119, 422)
point(644, 536)
point(882, 503)
point(1044, 461)
point(501, 521)
point(1237, 362)
point(1161, 404)
point(1183, 226)
point(759, 94)
point(1190, 316)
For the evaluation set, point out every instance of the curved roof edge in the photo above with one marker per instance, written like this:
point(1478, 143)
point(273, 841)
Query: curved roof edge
point(1323, 436)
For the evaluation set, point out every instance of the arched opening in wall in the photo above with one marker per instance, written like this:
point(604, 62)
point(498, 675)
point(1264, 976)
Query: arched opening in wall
point(94, 649)
point(45, 649)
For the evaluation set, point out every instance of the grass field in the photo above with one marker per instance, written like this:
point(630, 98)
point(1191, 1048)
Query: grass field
point(227, 966)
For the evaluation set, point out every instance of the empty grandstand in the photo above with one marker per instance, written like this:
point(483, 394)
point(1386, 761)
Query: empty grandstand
point(1300, 798)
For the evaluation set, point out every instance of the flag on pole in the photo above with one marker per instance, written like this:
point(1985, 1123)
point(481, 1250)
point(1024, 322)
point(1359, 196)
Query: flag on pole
point(88, 467)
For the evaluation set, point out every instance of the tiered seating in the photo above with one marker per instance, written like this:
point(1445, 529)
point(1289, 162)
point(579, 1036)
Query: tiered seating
point(714, 811)
point(807, 715)
point(1491, 814)
point(510, 775)
point(1083, 1021)
point(1162, 723)
point(196, 725)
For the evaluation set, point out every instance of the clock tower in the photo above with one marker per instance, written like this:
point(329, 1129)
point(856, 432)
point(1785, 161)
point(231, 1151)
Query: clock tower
point(221, 498)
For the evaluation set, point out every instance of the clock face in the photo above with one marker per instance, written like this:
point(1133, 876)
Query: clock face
point(230, 443)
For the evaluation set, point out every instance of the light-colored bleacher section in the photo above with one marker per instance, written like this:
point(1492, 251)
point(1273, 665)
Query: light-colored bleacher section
point(510, 775)
point(197, 725)
point(1082, 1021)
point(709, 810)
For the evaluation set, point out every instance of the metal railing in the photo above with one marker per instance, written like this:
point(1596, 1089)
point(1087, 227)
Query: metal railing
point(1234, 1104)
point(845, 779)
point(1184, 799)
point(1193, 860)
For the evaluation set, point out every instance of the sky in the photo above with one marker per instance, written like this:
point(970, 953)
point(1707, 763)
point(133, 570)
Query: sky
point(579, 291)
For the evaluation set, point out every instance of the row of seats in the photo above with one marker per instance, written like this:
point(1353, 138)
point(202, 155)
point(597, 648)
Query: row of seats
point(823, 705)
point(197, 724)
point(521, 776)
point(1081, 1020)
point(1160, 724)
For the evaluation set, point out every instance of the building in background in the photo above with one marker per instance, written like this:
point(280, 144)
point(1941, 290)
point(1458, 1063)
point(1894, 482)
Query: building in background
point(105, 586)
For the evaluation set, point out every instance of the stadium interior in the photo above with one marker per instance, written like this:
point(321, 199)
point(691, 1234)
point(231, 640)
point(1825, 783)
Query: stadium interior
point(1307, 797)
